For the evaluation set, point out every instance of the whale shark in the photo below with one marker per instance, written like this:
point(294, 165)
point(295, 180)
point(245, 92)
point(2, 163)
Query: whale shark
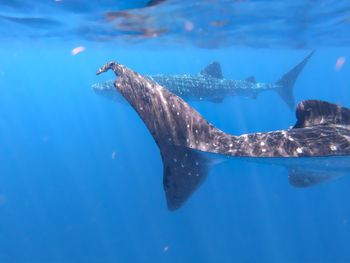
point(210, 85)
point(315, 150)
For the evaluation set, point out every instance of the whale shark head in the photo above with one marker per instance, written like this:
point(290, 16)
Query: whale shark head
point(106, 89)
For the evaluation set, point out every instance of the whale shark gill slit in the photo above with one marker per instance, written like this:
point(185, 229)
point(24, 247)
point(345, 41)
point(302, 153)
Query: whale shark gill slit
point(185, 138)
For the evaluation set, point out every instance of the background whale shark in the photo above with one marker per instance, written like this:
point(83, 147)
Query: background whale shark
point(210, 85)
point(187, 140)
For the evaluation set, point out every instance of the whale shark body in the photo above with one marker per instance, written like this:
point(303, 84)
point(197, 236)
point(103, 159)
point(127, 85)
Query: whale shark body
point(314, 151)
point(210, 85)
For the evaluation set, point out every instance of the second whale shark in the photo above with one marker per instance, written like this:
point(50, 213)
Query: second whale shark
point(210, 85)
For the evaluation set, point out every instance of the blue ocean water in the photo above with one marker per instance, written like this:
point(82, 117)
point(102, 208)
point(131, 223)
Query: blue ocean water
point(81, 176)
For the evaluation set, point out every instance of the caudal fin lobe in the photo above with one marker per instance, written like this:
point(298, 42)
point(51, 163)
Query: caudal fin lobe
point(286, 83)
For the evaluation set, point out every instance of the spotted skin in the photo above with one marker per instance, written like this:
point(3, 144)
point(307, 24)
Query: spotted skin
point(202, 87)
point(183, 135)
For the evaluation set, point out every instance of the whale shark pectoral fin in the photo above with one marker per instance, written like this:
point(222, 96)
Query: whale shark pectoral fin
point(302, 178)
point(213, 70)
point(184, 172)
point(315, 112)
point(251, 79)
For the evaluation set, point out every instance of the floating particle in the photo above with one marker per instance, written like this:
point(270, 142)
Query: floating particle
point(45, 138)
point(189, 26)
point(113, 155)
point(340, 63)
point(166, 248)
point(78, 50)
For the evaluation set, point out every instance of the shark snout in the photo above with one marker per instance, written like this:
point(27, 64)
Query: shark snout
point(103, 86)
point(107, 90)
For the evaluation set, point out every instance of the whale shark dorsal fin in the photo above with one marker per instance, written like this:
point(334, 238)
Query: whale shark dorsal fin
point(212, 70)
point(251, 79)
point(316, 112)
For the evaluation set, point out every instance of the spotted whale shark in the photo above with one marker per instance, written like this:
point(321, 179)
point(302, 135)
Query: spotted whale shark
point(314, 151)
point(210, 85)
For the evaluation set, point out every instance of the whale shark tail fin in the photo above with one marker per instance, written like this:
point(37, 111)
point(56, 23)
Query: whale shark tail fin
point(184, 171)
point(286, 83)
point(181, 133)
